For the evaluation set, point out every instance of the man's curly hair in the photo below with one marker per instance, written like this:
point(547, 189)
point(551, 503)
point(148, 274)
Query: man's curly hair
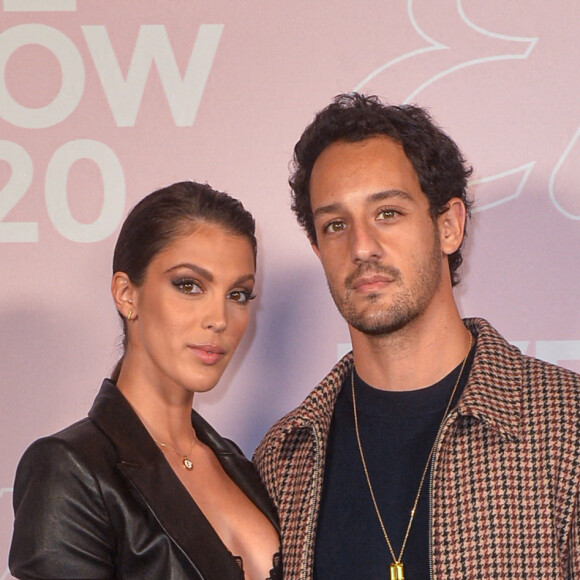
point(439, 164)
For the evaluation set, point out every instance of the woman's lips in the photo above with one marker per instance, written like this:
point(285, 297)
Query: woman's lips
point(207, 353)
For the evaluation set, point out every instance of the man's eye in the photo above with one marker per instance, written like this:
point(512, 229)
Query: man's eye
point(334, 227)
point(387, 214)
point(241, 296)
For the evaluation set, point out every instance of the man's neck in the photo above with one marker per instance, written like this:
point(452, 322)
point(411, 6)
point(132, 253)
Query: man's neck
point(414, 357)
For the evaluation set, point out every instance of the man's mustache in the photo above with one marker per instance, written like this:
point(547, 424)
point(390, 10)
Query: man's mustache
point(370, 269)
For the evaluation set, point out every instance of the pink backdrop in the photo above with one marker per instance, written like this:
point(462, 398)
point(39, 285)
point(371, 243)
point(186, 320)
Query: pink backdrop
point(102, 102)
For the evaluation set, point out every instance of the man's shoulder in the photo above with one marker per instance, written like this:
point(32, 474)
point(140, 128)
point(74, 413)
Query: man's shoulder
point(497, 347)
point(550, 369)
point(502, 368)
point(560, 385)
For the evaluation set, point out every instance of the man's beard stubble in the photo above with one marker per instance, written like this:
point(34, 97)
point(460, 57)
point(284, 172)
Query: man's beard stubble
point(407, 303)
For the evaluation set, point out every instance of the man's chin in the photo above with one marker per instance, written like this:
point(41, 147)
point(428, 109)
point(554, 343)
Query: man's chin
point(378, 321)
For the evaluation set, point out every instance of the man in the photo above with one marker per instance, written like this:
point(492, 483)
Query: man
point(435, 449)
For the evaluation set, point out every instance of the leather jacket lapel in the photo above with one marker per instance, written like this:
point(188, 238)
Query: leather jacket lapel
point(235, 464)
point(181, 519)
point(143, 465)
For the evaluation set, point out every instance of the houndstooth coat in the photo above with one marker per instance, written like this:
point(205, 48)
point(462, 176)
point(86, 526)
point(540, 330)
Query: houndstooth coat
point(505, 487)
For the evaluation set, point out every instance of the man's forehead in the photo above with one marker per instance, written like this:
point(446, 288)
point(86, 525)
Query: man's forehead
point(377, 152)
point(368, 199)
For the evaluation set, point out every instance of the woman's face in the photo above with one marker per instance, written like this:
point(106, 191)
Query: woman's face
point(192, 309)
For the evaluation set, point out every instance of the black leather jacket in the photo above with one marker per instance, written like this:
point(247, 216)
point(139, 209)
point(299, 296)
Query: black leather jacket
point(99, 500)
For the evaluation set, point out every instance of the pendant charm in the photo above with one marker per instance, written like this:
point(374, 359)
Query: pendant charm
point(187, 464)
point(397, 572)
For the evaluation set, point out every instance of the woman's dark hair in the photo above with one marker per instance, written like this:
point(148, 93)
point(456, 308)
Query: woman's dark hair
point(167, 214)
point(438, 162)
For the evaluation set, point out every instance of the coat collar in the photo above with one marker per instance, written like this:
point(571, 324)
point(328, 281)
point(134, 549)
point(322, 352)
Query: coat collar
point(493, 392)
point(143, 464)
point(494, 389)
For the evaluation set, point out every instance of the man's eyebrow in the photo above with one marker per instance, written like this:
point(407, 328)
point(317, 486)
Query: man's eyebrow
point(325, 209)
point(373, 198)
point(388, 194)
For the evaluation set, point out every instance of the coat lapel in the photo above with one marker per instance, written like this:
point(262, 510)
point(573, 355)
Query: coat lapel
point(235, 464)
point(493, 393)
point(143, 465)
point(181, 519)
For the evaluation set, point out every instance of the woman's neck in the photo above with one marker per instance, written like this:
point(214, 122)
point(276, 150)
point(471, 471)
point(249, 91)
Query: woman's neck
point(165, 412)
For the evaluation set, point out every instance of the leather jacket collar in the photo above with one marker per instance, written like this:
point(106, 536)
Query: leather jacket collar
point(143, 465)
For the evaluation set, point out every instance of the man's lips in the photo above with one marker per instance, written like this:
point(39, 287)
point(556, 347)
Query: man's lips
point(207, 353)
point(371, 283)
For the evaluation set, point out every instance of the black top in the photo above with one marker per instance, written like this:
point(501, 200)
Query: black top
point(397, 431)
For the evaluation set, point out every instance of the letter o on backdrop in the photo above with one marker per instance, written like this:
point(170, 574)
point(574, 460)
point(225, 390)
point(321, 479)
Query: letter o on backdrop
point(73, 76)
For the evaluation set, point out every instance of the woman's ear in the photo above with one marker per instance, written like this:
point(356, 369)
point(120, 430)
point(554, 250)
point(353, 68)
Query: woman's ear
point(124, 295)
point(452, 226)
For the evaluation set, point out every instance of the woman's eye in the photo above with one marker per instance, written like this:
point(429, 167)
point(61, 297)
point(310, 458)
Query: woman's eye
point(241, 296)
point(187, 286)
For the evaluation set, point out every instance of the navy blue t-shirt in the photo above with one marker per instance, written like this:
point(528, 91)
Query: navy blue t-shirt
point(397, 430)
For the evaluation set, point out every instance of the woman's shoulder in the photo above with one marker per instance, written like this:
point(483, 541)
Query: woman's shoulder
point(75, 435)
point(80, 446)
point(58, 491)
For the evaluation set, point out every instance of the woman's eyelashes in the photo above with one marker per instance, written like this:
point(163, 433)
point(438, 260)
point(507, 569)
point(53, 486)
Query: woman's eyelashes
point(193, 287)
point(188, 285)
point(242, 296)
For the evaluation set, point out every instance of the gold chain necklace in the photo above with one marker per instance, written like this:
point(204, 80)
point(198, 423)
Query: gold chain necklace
point(185, 460)
point(397, 570)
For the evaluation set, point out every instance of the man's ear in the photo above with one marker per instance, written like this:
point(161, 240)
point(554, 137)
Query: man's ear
point(124, 295)
point(314, 247)
point(452, 226)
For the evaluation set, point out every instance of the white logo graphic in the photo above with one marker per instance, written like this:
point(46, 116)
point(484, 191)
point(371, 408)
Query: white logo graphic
point(470, 46)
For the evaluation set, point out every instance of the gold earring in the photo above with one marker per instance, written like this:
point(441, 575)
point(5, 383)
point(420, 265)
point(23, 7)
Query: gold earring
point(130, 315)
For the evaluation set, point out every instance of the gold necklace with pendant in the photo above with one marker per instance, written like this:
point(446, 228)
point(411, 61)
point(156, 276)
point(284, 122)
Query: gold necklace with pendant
point(185, 460)
point(396, 568)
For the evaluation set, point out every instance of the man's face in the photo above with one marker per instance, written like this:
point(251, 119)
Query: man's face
point(377, 242)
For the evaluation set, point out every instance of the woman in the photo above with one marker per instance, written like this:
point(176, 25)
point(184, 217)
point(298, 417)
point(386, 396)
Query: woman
point(143, 487)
